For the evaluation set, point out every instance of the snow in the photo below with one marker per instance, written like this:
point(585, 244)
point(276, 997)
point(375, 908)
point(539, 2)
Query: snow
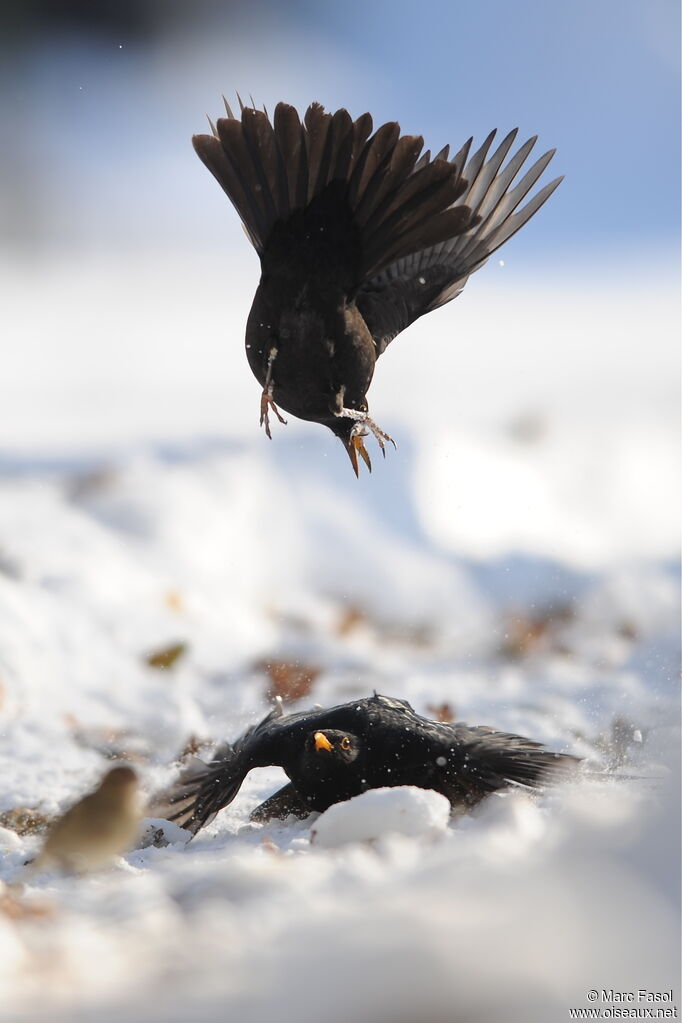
point(513, 563)
point(404, 810)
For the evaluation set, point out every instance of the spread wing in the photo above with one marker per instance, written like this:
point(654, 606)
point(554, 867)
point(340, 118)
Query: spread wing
point(425, 280)
point(204, 789)
point(291, 180)
point(493, 760)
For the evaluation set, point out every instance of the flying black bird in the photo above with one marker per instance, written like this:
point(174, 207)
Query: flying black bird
point(359, 235)
point(332, 755)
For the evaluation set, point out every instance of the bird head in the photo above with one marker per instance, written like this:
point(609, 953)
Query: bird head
point(332, 747)
point(118, 787)
point(351, 433)
point(119, 778)
point(351, 428)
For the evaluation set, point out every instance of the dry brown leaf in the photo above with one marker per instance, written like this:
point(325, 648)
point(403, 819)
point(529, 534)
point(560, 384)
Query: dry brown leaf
point(525, 633)
point(289, 680)
point(441, 711)
point(350, 618)
point(193, 745)
point(167, 657)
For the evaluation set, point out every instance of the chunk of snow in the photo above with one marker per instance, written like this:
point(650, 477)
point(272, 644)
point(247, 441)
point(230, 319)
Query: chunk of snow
point(159, 832)
point(405, 810)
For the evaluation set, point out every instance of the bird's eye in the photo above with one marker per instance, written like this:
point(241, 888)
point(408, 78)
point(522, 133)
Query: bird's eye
point(345, 742)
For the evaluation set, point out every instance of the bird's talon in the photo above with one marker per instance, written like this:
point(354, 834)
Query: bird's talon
point(267, 403)
point(355, 445)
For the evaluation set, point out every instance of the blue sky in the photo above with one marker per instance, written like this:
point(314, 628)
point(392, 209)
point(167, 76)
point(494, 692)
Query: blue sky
point(103, 125)
point(598, 79)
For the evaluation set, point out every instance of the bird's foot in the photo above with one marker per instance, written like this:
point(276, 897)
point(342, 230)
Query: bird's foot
point(364, 423)
point(363, 426)
point(267, 403)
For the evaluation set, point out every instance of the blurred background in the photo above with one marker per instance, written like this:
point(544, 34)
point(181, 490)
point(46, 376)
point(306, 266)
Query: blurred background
point(127, 274)
point(99, 100)
point(128, 278)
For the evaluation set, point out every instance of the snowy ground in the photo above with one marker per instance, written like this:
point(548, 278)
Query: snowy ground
point(513, 563)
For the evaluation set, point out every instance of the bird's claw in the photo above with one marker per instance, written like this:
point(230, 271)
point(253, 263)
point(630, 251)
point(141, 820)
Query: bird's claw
point(380, 436)
point(267, 403)
point(356, 444)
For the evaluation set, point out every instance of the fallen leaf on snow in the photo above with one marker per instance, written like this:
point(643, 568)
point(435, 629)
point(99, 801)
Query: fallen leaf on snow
point(167, 657)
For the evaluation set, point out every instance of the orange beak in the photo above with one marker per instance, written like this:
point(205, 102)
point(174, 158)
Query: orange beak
point(322, 742)
point(355, 447)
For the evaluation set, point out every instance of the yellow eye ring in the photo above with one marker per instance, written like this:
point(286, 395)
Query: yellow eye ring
point(345, 742)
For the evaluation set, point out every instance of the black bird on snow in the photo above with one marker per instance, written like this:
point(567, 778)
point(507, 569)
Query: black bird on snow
point(358, 235)
point(332, 755)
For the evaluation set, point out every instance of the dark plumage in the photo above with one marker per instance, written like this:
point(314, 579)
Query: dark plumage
point(359, 235)
point(332, 755)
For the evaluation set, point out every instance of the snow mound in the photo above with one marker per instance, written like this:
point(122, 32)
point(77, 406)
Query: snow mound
point(159, 832)
point(404, 810)
point(514, 564)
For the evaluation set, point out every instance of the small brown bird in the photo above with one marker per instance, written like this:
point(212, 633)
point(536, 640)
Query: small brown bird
point(99, 827)
point(358, 235)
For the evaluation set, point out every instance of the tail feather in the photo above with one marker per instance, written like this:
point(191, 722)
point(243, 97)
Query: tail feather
point(397, 164)
point(431, 188)
point(343, 134)
point(497, 759)
point(233, 140)
point(259, 139)
point(212, 152)
point(373, 160)
point(362, 129)
point(319, 146)
point(422, 161)
point(399, 202)
point(288, 134)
